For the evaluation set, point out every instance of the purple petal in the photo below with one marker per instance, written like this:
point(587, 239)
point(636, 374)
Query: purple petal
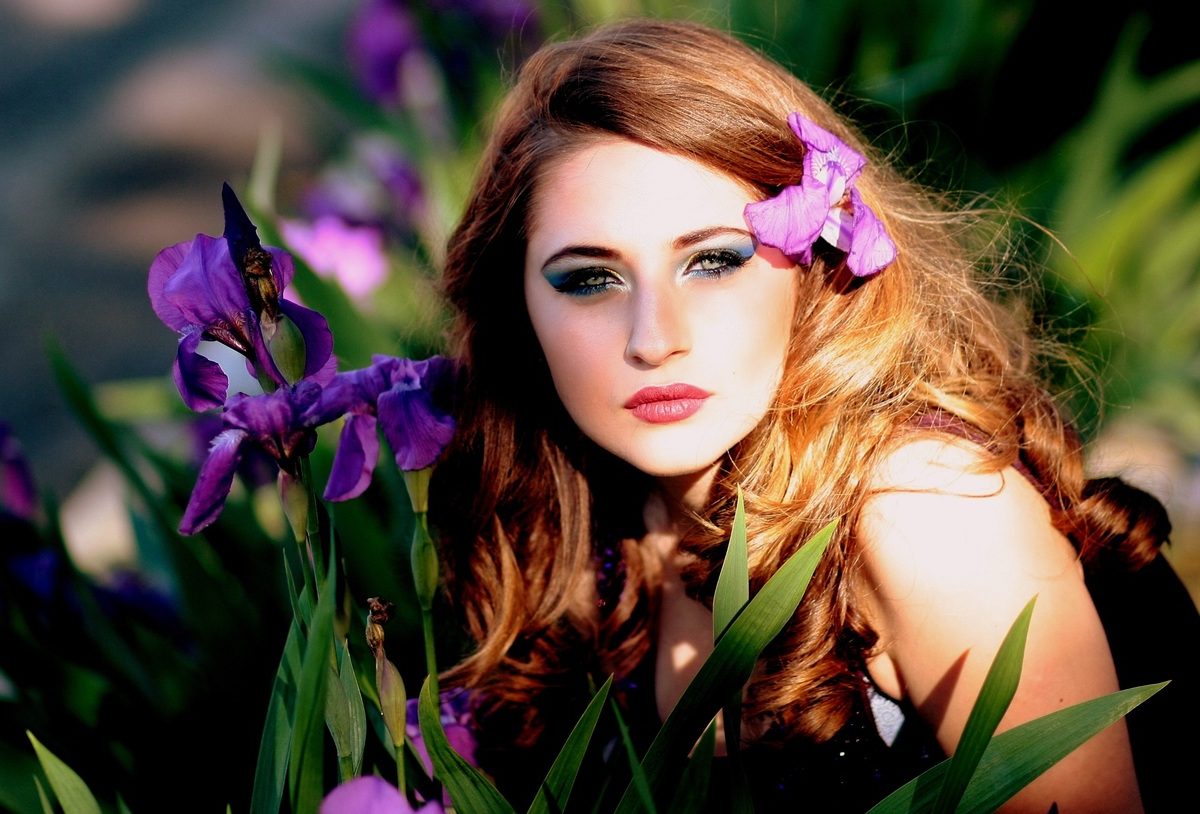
point(454, 709)
point(164, 265)
point(791, 221)
point(366, 795)
point(354, 463)
point(319, 363)
point(196, 284)
point(827, 159)
point(214, 482)
point(18, 496)
point(871, 249)
point(381, 35)
point(416, 431)
point(201, 382)
point(352, 391)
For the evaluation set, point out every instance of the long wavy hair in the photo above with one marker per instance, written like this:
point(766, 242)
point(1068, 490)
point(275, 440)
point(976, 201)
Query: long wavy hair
point(524, 502)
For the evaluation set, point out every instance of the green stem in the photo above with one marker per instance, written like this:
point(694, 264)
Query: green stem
point(345, 767)
point(430, 654)
point(312, 531)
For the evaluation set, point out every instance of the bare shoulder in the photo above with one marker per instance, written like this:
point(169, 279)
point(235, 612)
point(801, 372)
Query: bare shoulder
point(950, 554)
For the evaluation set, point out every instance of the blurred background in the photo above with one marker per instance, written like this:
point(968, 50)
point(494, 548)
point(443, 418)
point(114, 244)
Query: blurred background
point(120, 119)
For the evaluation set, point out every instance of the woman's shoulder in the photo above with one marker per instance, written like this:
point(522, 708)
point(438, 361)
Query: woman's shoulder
point(951, 552)
point(937, 507)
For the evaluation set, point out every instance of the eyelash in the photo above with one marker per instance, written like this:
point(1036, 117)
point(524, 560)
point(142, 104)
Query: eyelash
point(575, 283)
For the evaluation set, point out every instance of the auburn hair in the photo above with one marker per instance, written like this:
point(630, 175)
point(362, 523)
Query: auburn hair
point(524, 503)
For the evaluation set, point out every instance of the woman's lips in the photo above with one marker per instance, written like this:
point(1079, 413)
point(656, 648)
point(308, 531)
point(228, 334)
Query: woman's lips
point(662, 405)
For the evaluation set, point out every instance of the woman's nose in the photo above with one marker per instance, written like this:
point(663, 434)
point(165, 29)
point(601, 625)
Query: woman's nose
point(659, 328)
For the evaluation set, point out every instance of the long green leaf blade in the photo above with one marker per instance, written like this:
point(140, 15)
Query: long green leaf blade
point(730, 665)
point(306, 776)
point(469, 789)
point(73, 794)
point(995, 695)
point(732, 594)
point(560, 779)
point(733, 583)
point(693, 787)
point(639, 782)
point(270, 773)
point(1015, 757)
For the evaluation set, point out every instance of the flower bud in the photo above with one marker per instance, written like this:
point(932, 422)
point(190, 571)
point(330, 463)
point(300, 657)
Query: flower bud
point(294, 497)
point(417, 483)
point(287, 349)
point(424, 565)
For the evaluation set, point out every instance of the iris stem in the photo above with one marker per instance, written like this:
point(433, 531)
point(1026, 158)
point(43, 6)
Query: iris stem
point(312, 531)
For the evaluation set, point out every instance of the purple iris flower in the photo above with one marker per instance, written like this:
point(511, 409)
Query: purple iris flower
point(411, 402)
point(372, 795)
point(273, 422)
point(18, 497)
point(824, 205)
point(228, 289)
point(455, 713)
point(381, 35)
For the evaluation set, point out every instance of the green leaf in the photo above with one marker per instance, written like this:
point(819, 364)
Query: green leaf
point(995, 695)
point(556, 788)
point(469, 788)
point(693, 788)
point(69, 788)
point(344, 713)
point(270, 773)
point(1014, 758)
point(306, 778)
point(42, 798)
point(729, 666)
point(732, 594)
point(640, 783)
point(733, 583)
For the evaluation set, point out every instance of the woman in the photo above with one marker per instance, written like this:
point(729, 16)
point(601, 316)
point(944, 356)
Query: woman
point(643, 330)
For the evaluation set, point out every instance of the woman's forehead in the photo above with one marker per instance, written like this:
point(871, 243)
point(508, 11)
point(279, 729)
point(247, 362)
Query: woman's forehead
point(617, 189)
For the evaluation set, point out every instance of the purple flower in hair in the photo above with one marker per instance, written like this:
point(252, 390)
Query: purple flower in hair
point(825, 205)
point(274, 422)
point(410, 402)
point(228, 289)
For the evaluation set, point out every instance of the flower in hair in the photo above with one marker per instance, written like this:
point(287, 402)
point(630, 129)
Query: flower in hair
point(824, 206)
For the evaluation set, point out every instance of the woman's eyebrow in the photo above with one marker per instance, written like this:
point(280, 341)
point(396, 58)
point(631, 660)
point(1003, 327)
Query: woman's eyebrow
point(682, 242)
point(598, 252)
point(701, 235)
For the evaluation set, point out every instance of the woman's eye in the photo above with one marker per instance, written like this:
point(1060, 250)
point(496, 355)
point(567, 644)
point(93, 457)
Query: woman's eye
point(717, 263)
point(584, 282)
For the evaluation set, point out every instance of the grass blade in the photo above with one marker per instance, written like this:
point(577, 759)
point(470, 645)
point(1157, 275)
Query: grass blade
point(733, 583)
point(995, 695)
point(1015, 757)
point(270, 773)
point(556, 788)
point(469, 788)
point(729, 666)
point(306, 773)
point(72, 793)
point(693, 787)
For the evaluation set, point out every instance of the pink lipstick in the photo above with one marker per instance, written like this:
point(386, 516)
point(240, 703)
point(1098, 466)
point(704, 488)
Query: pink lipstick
point(663, 405)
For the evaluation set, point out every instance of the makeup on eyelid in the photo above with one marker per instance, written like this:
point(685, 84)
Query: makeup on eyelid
point(564, 273)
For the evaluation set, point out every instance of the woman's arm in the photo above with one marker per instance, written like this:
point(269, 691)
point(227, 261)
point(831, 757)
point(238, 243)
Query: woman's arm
point(950, 558)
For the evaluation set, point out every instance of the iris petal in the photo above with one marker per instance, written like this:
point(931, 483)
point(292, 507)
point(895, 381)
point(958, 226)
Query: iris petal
point(354, 463)
point(416, 431)
point(201, 382)
point(214, 481)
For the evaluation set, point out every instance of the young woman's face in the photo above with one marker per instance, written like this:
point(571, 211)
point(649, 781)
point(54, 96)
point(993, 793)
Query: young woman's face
point(664, 324)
